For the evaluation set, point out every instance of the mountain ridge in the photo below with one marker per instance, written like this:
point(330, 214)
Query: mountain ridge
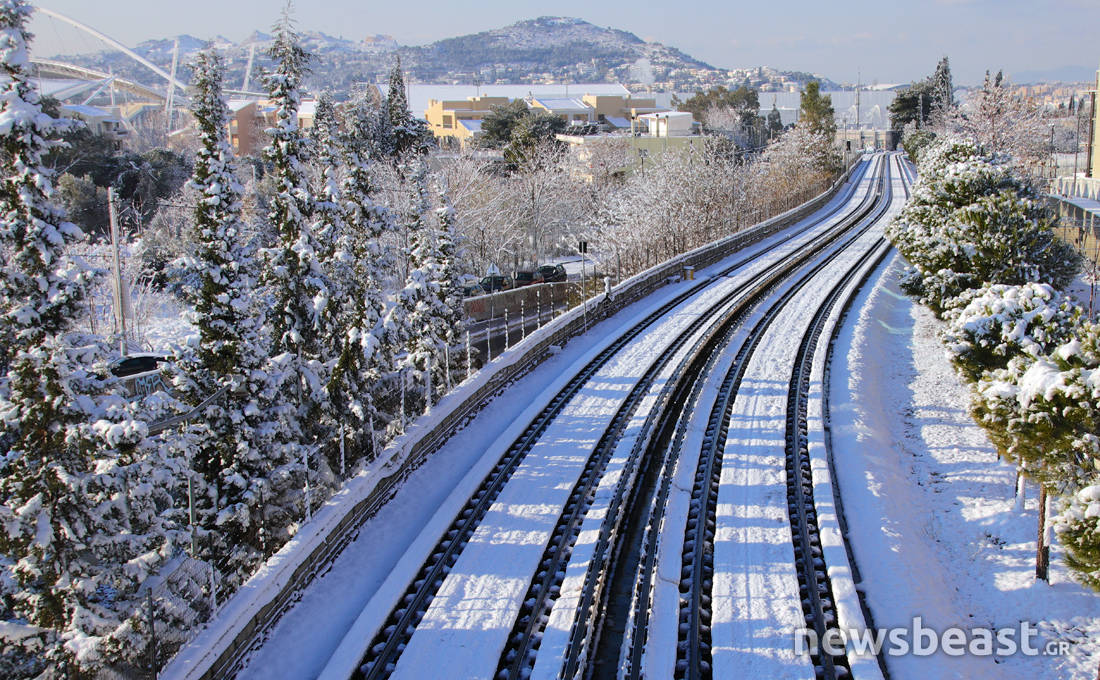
point(547, 49)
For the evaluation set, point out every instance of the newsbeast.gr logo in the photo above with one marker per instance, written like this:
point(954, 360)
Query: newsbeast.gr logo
point(919, 640)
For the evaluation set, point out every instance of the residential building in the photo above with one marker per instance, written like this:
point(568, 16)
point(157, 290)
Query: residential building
point(457, 122)
point(246, 126)
point(619, 112)
point(573, 110)
point(100, 121)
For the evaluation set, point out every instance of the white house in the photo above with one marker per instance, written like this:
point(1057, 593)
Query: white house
point(668, 123)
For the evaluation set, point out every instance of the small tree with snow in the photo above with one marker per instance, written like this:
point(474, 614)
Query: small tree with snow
point(1078, 529)
point(971, 221)
point(990, 326)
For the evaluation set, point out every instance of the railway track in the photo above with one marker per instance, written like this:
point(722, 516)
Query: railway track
point(383, 651)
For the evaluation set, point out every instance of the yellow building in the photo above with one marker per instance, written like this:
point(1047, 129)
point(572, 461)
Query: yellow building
point(618, 112)
point(457, 121)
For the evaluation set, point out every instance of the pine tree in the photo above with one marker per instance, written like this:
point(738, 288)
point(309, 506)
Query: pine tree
point(293, 273)
point(775, 122)
point(448, 304)
point(39, 291)
point(410, 135)
point(990, 326)
point(972, 221)
point(410, 323)
point(362, 263)
point(229, 444)
point(943, 90)
point(816, 110)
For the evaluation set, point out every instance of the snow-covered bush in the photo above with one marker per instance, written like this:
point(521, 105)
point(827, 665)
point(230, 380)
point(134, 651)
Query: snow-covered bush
point(1078, 529)
point(992, 325)
point(1045, 411)
point(971, 221)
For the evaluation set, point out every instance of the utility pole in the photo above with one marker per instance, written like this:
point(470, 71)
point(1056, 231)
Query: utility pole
point(1076, 141)
point(1092, 132)
point(248, 69)
point(120, 287)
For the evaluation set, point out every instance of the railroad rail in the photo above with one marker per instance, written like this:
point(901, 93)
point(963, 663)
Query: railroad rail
point(382, 652)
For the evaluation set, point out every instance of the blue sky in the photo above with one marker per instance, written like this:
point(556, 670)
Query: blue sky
point(885, 41)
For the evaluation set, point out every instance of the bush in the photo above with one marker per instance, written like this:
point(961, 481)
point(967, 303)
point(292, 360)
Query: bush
point(990, 326)
point(971, 221)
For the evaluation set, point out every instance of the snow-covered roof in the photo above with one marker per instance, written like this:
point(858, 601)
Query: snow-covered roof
point(236, 105)
point(308, 108)
point(671, 115)
point(618, 121)
point(63, 88)
point(471, 125)
point(563, 104)
point(85, 111)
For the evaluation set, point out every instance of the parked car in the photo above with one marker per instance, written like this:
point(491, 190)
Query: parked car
point(473, 290)
point(552, 273)
point(495, 282)
point(137, 363)
point(140, 373)
point(528, 278)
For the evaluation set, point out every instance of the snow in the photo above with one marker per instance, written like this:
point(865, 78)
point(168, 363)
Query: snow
point(376, 567)
point(756, 605)
point(930, 508)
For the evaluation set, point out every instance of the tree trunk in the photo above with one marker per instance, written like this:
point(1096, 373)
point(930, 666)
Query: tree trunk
point(1042, 554)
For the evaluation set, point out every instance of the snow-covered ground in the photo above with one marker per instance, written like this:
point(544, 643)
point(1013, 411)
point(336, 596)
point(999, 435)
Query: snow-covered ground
point(373, 571)
point(930, 508)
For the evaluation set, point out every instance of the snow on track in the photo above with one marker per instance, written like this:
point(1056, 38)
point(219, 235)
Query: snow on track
point(756, 604)
point(369, 578)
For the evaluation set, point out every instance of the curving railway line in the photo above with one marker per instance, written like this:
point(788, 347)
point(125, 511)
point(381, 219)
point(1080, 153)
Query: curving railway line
point(588, 550)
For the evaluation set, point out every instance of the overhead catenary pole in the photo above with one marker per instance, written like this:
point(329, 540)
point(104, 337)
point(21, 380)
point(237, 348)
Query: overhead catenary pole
point(120, 288)
point(248, 67)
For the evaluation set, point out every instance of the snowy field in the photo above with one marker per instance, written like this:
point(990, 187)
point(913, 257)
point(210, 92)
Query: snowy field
point(930, 508)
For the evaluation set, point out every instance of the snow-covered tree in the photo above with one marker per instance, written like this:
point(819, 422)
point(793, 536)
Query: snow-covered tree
point(1000, 121)
point(992, 325)
point(86, 508)
point(229, 445)
point(449, 312)
point(410, 134)
point(293, 272)
point(44, 400)
point(1078, 529)
point(971, 221)
point(482, 205)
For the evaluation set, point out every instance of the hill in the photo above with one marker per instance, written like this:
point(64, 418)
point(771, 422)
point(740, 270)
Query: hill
point(542, 50)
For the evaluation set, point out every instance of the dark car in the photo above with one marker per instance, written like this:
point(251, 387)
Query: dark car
point(138, 363)
point(495, 282)
point(528, 278)
point(552, 273)
point(140, 374)
point(473, 290)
